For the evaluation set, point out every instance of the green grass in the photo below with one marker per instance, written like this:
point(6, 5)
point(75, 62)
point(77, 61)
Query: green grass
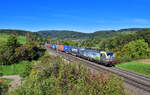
point(136, 67)
point(6, 81)
point(21, 39)
point(47, 53)
point(14, 69)
point(3, 36)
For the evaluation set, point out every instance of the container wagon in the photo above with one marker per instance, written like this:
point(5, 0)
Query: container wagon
point(56, 47)
point(49, 45)
point(75, 51)
point(67, 49)
point(53, 46)
point(61, 47)
point(97, 55)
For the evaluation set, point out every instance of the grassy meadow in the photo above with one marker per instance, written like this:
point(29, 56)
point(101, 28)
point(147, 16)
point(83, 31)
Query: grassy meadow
point(139, 66)
point(5, 81)
point(13, 69)
point(3, 38)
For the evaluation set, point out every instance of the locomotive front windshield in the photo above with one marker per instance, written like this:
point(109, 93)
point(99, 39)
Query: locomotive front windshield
point(110, 55)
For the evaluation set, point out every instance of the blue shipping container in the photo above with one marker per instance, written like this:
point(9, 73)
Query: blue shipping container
point(67, 48)
point(56, 46)
point(53, 46)
point(75, 50)
point(84, 53)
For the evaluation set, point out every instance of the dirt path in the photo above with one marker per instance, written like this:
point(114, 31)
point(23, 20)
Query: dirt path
point(16, 81)
point(146, 61)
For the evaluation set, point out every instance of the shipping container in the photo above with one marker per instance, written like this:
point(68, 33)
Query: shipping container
point(57, 46)
point(53, 46)
point(75, 50)
point(81, 51)
point(61, 47)
point(67, 49)
point(85, 53)
point(48, 45)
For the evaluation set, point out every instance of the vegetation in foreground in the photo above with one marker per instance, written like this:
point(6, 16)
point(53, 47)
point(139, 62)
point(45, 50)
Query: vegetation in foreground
point(5, 81)
point(55, 76)
point(4, 37)
point(14, 69)
point(16, 52)
point(4, 85)
point(12, 52)
point(136, 66)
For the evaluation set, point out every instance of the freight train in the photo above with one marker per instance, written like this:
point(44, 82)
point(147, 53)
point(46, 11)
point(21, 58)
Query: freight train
point(103, 57)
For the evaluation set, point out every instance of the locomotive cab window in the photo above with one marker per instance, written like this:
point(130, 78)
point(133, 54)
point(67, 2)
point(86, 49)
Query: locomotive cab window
point(103, 55)
point(110, 54)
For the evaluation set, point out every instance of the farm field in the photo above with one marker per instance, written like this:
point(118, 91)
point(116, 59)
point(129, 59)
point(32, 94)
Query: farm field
point(14, 69)
point(139, 66)
point(3, 38)
point(17, 69)
point(5, 81)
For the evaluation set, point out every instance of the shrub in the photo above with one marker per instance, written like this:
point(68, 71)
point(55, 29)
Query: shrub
point(33, 51)
point(59, 77)
point(121, 59)
point(3, 88)
point(21, 53)
point(136, 49)
point(133, 50)
point(12, 52)
point(27, 70)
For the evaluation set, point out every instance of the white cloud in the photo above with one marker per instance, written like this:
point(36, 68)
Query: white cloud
point(141, 21)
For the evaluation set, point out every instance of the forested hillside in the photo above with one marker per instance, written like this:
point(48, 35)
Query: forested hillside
point(65, 34)
point(16, 32)
point(73, 35)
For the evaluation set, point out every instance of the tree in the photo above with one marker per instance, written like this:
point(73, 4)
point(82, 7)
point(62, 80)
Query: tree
point(12, 42)
point(136, 49)
point(7, 51)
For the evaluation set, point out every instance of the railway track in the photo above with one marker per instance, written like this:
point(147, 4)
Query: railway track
point(137, 80)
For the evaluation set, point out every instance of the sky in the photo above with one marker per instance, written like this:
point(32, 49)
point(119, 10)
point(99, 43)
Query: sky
point(78, 15)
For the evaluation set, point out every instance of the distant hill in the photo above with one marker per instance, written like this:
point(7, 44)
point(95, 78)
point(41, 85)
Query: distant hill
point(18, 32)
point(11, 31)
point(65, 34)
point(133, 29)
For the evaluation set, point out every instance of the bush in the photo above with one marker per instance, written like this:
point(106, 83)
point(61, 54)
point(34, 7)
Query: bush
point(133, 50)
point(12, 52)
point(27, 70)
point(121, 59)
point(21, 53)
point(33, 51)
point(59, 77)
point(3, 88)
